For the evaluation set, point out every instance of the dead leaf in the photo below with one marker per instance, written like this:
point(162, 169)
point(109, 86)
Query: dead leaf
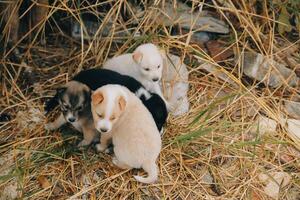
point(43, 181)
point(256, 196)
point(218, 51)
point(284, 25)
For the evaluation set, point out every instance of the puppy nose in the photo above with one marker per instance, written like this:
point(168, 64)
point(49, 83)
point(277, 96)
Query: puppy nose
point(71, 119)
point(103, 130)
point(155, 79)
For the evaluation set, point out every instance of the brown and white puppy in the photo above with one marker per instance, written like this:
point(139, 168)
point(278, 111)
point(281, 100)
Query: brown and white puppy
point(75, 103)
point(119, 114)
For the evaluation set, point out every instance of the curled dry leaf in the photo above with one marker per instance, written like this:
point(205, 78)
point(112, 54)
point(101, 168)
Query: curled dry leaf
point(43, 181)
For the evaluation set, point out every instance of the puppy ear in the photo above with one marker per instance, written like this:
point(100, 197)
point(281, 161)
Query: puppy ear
point(122, 103)
point(97, 98)
point(87, 95)
point(137, 56)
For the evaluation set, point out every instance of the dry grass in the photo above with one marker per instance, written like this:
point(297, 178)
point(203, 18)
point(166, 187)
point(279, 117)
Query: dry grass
point(207, 154)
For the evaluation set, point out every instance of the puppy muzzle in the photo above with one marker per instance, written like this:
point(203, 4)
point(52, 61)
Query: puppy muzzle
point(103, 126)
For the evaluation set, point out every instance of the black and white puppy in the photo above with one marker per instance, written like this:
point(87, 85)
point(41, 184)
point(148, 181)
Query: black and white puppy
point(95, 78)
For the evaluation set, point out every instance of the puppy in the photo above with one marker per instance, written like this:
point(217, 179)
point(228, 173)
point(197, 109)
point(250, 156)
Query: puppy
point(74, 100)
point(95, 78)
point(145, 64)
point(137, 143)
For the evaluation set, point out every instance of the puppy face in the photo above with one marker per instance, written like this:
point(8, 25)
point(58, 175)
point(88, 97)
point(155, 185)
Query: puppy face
point(74, 100)
point(107, 107)
point(150, 62)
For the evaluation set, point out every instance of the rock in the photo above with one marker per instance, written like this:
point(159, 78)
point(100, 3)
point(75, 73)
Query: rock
point(200, 37)
point(9, 190)
point(293, 128)
point(29, 118)
point(273, 182)
point(207, 178)
point(185, 17)
point(292, 108)
point(262, 68)
point(263, 125)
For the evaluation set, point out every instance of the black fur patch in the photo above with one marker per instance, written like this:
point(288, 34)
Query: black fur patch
point(95, 78)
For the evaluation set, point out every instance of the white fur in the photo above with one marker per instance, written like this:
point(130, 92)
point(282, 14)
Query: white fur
point(136, 139)
point(105, 122)
point(143, 92)
point(151, 59)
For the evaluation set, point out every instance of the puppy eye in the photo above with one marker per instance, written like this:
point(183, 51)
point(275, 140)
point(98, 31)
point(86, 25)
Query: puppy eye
point(147, 69)
point(158, 66)
point(65, 106)
point(112, 118)
point(79, 108)
point(100, 116)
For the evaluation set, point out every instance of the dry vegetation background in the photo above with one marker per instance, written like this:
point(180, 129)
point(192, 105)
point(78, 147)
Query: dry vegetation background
point(233, 144)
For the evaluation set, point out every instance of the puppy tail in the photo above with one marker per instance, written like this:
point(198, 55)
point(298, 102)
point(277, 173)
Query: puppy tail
point(152, 171)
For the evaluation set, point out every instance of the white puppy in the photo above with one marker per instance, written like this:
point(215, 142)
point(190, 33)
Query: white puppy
point(145, 64)
point(175, 84)
point(119, 114)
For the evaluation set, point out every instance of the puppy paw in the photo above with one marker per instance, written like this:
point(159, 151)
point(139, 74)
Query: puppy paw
point(100, 148)
point(83, 143)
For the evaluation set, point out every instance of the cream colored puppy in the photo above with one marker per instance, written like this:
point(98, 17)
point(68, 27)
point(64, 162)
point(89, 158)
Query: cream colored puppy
point(119, 114)
point(145, 64)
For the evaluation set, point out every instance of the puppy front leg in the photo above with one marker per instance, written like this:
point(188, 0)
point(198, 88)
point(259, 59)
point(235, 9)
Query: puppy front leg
point(104, 142)
point(88, 136)
point(56, 124)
